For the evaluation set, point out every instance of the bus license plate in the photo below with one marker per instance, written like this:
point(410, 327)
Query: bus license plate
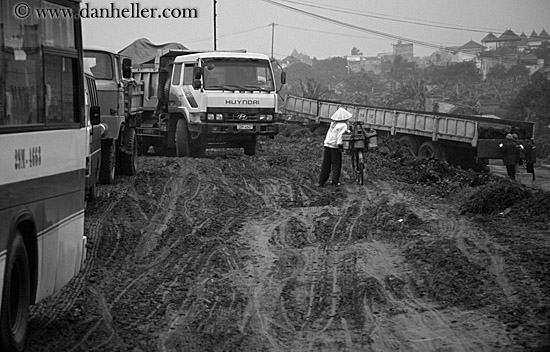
point(244, 127)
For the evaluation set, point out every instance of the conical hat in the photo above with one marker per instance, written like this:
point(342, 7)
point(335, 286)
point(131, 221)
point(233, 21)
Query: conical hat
point(341, 115)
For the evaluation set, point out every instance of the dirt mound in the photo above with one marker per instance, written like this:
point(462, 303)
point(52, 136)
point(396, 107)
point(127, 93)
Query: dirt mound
point(495, 198)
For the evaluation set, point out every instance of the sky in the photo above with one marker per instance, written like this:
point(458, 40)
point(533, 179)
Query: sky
point(318, 28)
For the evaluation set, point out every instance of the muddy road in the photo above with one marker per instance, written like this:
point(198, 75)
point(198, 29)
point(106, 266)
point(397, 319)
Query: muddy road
point(236, 253)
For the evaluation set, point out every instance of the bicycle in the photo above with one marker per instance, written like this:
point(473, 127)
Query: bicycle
point(356, 144)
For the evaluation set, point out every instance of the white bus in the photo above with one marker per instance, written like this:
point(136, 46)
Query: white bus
point(43, 150)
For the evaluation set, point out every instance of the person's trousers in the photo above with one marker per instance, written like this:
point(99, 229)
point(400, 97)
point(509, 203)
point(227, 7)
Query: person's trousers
point(332, 161)
point(531, 169)
point(511, 170)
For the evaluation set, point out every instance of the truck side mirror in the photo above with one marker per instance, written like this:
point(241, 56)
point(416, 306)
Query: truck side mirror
point(283, 77)
point(127, 68)
point(197, 72)
point(197, 83)
point(95, 115)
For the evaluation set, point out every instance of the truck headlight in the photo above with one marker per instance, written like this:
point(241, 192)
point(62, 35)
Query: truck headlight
point(266, 117)
point(212, 117)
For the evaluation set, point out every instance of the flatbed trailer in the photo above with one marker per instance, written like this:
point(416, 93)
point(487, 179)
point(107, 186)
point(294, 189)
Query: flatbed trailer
point(466, 140)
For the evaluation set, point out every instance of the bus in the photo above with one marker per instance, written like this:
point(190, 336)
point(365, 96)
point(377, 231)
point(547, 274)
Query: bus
point(43, 150)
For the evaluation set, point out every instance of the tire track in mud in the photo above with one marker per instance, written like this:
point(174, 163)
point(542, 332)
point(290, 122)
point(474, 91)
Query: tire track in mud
point(310, 306)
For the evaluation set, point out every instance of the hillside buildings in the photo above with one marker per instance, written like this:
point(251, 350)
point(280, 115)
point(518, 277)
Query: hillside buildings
point(507, 49)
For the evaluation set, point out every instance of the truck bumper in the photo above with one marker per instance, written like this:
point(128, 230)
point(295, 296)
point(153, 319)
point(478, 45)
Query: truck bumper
point(229, 130)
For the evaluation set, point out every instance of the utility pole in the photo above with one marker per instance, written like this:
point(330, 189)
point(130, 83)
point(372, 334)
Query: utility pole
point(215, 1)
point(272, 38)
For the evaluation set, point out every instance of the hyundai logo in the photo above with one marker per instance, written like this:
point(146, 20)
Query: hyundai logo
point(242, 117)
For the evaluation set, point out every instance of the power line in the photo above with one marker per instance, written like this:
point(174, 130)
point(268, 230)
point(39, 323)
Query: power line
point(349, 25)
point(395, 18)
point(226, 35)
point(372, 31)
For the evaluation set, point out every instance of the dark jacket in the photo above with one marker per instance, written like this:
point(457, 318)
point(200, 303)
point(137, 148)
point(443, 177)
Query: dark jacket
point(509, 151)
point(530, 155)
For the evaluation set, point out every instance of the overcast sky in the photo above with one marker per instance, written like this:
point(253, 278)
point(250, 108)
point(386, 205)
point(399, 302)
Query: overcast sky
point(319, 28)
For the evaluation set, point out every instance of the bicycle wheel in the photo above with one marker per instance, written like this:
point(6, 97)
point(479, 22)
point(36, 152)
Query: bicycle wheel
point(353, 155)
point(360, 167)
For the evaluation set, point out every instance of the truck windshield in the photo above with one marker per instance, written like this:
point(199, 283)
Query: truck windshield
point(99, 63)
point(238, 74)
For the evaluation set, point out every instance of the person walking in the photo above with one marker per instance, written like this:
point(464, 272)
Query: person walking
point(332, 147)
point(509, 151)
point(530, 157)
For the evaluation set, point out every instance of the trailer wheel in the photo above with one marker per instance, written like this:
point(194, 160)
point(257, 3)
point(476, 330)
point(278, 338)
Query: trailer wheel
point(128, 162)
point(431, 150)
point(250, 146)
point(182, 138)
point(108, 161)
point(14, 316)
point(410, 142)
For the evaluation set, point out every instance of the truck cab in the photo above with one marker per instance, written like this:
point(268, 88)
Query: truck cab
point(119, 99)
point(92, 114)
point(214, 99)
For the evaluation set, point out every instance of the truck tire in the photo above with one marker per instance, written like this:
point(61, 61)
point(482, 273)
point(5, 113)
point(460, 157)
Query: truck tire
point(431, 150)
point(108, 162)
point(410, 142)
point(182, 138)
point(250, 146)
point(14, 317)
point(129, 162)
point(92, 193)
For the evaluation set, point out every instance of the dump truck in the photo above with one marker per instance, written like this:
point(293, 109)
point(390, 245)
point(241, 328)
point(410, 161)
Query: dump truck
point(469, 141)
point(194, 100)
point(121, 102)
point(95, 129)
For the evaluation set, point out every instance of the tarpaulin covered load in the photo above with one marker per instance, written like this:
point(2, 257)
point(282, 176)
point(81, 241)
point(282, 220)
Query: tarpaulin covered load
point(142, 50)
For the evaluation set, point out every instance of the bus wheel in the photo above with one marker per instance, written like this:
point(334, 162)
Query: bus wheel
point(182, 138)
point(128, 162)
point(108, 161)
point(14, 317)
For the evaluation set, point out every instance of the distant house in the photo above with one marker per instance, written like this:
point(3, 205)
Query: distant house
point(296, 57)
point(442, 57)
point(405, 50)
point(469, 51)
point(510, 49)
point(490, 41)
point(360, 63)
point(508, 39)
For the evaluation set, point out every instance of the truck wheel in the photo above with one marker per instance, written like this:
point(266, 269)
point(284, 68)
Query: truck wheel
point(481, 165)
point(182, 138)
point(250, 146)
point(410, 142)
point(14, 316)
point(108, 161)
point(431, 150)
point(92, 193)
point(128, 162)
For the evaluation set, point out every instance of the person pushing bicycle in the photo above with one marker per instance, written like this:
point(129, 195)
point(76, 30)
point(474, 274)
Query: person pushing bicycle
point(332, 147)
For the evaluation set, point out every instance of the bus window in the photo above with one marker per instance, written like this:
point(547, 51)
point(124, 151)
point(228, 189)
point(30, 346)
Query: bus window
point(60, 106)
point(58, 31)
point(20, 69)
